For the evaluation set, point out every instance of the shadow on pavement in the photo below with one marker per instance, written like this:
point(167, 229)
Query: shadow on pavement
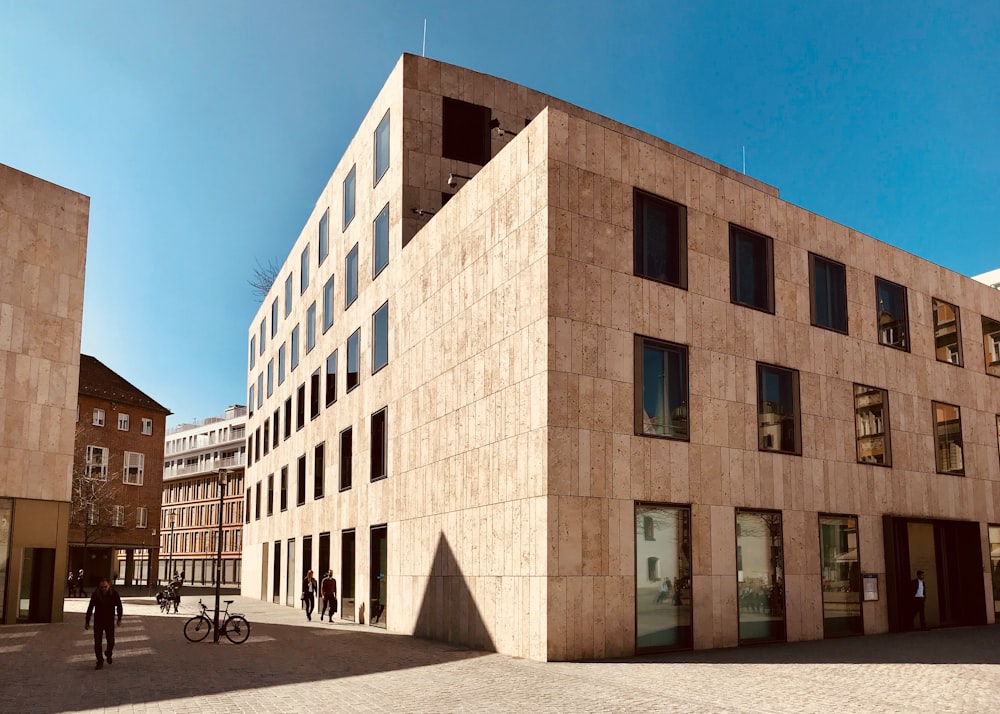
point(957, 645)
point(50, 668)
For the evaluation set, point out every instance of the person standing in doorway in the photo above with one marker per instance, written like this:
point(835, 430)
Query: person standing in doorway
point(918, 589)
point(105, 603)
point(79, 584)
point(309, 589)
point(328, 589)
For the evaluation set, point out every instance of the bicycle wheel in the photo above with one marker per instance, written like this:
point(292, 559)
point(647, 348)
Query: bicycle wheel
point(237, 629)
point(197, 628)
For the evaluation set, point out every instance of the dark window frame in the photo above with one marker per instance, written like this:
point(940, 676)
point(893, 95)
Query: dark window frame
point(319, 470)
point(331, 379)
point(346, 458)
point(300, 481)
point(835, 318)
point(796, 406)
point(937, 325)
point(379, 447)
point(902, 344)
point(939, 436)
point(382, 160)
point(323, 249)
point(676, 431)
point(644, 204)
point(354, 352)
point(350, 197)
point(991, 348)
point(884, 415)
point(380, 345)
point(351, 287)
point(380, 241)
point(741, 286)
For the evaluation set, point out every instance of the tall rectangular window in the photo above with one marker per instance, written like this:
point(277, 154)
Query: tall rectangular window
point(263, 334)
point(893, 323)
point(661, 389)
point(251, 400)
point(828, 283)
point(256, 510)
point(295, 347)
point(331, 378)
point(270, 377)
point(132, 472)
point(380, 338)
point(947, 332)
point(274, 317)
point(123, 422)
point(314, 386)
point(760, 578)
point(276, 417)
point(141, 517)
point(97, 463)
point(304, 270)
point(328, 304)
point(300, 494)
point(260, 390)
point(871, 423)
point(778, 409)
point(253, 351)
point(991, 345)
point(310, 328)
point(270, 494)
point(346, 457)
point(751, 269)
point(660, 239)
point(381, 148)
point(147, 426)
point(288, 417)
point(283, 500)
point(380, 249)
point(353, 347)
point(318, 470)
point(378, 445)
point(948, 438)
point(288, 295)
point(281, 364)
point(267, 436)
point(841, 575)
point(351, 277)
point(300, 407)
point(349, 193)
point(324, 236)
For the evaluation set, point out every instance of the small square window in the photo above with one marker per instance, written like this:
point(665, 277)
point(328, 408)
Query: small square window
point(661, 391)
point(123, 422)
point(382, 148)
point(828, 283)
point(948, 439)
point(660, 236)
point(778, 409)
point(147, 426)
point(751, 269)
point(893, 323)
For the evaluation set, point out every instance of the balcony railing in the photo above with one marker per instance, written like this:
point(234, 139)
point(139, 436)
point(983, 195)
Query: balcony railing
point(206, 466)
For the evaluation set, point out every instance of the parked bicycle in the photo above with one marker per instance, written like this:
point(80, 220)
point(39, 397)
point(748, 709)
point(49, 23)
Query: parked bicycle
point(234, 627)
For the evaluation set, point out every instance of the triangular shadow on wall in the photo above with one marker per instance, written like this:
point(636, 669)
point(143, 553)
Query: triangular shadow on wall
point(449, 611)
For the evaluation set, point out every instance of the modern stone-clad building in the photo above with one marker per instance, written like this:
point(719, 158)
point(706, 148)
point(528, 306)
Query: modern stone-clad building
point(531, 380)
point(43, 253)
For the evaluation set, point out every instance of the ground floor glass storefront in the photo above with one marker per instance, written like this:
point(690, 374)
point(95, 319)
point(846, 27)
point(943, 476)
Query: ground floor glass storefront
point(662, 577)
point(760, 576)
point(841, 573)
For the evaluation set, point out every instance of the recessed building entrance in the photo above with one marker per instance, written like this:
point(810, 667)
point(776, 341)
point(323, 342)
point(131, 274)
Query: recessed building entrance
point(949, 553)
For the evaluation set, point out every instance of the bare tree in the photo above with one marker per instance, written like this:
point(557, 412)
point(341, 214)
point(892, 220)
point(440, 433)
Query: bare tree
point(263, 277)
point(100, 504)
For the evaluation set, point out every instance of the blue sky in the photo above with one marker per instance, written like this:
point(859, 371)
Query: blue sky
point(204, 131)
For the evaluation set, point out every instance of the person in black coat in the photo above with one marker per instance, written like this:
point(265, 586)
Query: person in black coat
point(918, 591)
point(105, 603)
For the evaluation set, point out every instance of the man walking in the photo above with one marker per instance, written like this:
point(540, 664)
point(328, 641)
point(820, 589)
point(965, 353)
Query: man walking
point(918, 589)
point(328, 589)
point(105, 603)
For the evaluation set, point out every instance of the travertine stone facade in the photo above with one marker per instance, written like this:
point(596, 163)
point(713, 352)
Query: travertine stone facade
point(514, 467)
point(43, 246)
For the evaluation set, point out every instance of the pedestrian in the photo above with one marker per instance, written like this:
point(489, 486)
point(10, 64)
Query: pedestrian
point(175, 589)
point(105, 603)
point(309, 589)
point(664, 591)
point(918, 590)
point(71, 585)
point(328, 589)
point(80, 592)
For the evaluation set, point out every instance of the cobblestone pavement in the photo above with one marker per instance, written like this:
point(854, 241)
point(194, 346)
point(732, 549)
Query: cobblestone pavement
point(290, 665)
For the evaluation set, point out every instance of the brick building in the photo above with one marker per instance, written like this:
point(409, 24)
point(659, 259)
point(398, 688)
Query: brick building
point(117, 478)
point(43, 255)
point(535, 381)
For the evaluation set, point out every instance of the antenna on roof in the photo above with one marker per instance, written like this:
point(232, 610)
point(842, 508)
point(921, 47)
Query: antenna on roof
point(744, 159)
point(423, 50)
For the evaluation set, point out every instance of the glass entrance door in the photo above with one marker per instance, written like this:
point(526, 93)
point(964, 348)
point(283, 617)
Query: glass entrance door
point(662, 577)
point(760, 574)
point(378, 571)
point(841, 576)
point(347, 575)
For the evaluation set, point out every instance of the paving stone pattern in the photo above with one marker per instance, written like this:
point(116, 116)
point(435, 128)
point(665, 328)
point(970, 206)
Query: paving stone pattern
point(289, 665)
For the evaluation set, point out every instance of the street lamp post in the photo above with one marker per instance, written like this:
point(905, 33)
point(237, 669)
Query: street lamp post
point(223, 479)
point(172, 517)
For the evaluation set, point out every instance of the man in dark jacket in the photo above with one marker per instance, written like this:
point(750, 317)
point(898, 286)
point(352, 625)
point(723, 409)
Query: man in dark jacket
point(105, 603)
point(918, 590)
point(328, 589)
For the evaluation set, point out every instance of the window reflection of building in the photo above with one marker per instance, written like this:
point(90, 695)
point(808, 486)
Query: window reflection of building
point(947, 332)
point(948, 439)
point(663, 577)
point(871, 416)
point(760, 576)
point(991, 345)
point(841, 576)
